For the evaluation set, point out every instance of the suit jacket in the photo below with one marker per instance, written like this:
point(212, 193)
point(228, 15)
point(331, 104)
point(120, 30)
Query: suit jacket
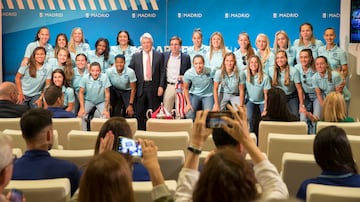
point(185, 62)
point(158, 71)
point(11, 110)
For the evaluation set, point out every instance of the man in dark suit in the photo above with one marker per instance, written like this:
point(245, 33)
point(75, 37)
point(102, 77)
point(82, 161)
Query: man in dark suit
point(176, 63)
point(148, 65)
point(8, 99)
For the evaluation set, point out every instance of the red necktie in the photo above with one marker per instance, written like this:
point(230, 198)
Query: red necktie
point(148, 68)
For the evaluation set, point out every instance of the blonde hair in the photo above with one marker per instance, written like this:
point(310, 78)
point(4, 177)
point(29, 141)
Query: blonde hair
point(249, 48)
point(277, 71)
point(267, 50)
point(276, 46)
point(334, 109)
point(68, 66)
point(222, 44)
point(71, 45)
point(259, 71)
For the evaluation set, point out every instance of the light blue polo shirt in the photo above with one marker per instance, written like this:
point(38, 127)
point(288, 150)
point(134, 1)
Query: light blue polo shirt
point(290, 52)
point(81, 48)
point(69, 95)
point(294, 78)
point(92, 57)
point(77, 78)
point(201, 84)
point(128, 53)
point(314, 48)
point(229, 83)
point(33, 86)
point(121, 80)
point(323, 83)
point(255, 90)
point(53, 64)
point(215, 62)
point(306, 79)
point(270, 62)
point(203, 50)
point(335, 57)
point(31, 47)
point(239, 60)
point(95, 89)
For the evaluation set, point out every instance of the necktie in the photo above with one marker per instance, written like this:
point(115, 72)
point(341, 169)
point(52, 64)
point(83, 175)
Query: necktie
point(148, 68)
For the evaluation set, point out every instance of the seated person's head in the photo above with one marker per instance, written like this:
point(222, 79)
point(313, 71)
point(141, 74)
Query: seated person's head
point(106, 178)
point(277, 107)
point(53, 96)
point(222, 139)
point(334, 108)
point(37, 130)
point(332, 150)
point(118, 126)
point(6, 160)
point(8, 91)
point(225, 177)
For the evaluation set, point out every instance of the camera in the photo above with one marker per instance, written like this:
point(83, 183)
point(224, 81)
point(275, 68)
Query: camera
point(16, 195)
point(129, 146)
point(213, 119)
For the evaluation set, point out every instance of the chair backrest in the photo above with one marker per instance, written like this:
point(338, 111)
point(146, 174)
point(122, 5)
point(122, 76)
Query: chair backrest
point(209, 144)
point(78, 157)
point(320, 193)
point(97, 123)
point(79, 139)
point(142, 190)
point(166, 141)
point(351, 128)
point(166, 125)
point(55, 190)
point(266, 127)
point(19, 142)
point(17, 152)
point(296, 168)
point(355, 147)
point(9, 123)
point(171, 162)
point(278, 144)
point(64, 126)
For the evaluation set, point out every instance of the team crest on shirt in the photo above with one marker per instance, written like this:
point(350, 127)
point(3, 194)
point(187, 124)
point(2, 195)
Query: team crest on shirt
point(335, 55)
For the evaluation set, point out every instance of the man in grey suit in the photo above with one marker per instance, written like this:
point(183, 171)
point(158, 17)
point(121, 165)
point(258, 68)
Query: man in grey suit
point(148, 65)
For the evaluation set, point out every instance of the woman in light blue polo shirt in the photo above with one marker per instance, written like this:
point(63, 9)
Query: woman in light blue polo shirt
point(307, 69)
point(282, 42)
point(215, 56)
point(326, 80)
point(288, 79)
point(77, 43)
point(58, 79)
point(101, 54)
point(124, 46)
point(231, 82)
point(198, 47)
point(94, 92)
point(123, 89)
point(80, 70)
point(245, 51)
point(62, 61)
point(306, 40)
point(41, 39)
point(201, 91)
point(257, 85)
point(264, 52)
point(30, 80)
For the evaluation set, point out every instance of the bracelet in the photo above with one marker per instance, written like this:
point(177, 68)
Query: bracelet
point(194, 150)
point(131, 104)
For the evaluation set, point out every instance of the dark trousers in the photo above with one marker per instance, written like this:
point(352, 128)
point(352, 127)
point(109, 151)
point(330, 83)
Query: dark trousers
point(147, 100)
point(119, 100)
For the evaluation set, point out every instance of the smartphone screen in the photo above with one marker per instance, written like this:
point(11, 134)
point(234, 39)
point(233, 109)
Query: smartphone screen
point(129, 146)
point(213, 120)
point(16, 195)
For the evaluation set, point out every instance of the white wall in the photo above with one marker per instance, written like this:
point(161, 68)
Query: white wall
point(353, 59)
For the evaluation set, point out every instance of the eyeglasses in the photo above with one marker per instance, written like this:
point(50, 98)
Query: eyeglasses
point(244, 60)
point(304, 78)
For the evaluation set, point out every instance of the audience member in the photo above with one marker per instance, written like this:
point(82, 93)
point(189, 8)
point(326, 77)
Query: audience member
point(54, 99)
point(230, 176)
point(334, 108)
point(276, 107)
point(36, 163)
point(8, 98)
point(148, 65)
point(175, 63)
point(333, 154)
point(108, 140)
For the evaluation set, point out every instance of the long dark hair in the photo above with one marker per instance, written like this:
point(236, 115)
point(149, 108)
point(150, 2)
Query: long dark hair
point(277, 107)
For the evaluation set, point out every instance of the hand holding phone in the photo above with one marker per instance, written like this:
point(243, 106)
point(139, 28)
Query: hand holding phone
point(213, 120)
point(16, 195)
point(129, 146)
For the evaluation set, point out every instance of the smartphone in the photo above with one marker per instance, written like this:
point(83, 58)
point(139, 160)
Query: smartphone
point(129, 146)
point(213, 119)
point(16, 195)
